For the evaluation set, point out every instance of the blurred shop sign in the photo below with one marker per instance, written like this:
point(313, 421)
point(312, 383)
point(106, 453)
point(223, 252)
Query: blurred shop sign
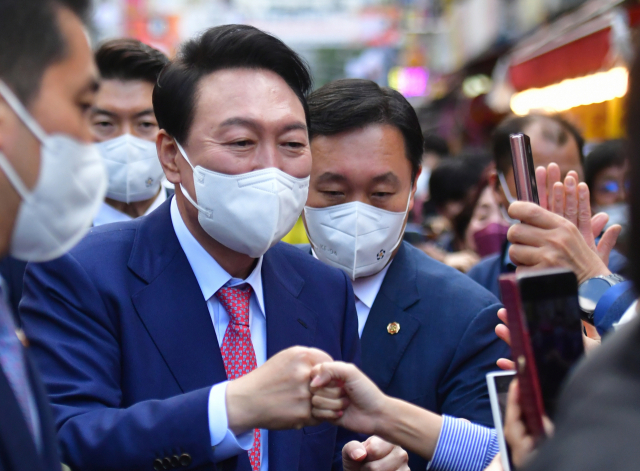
point(157, 30)
point(571, 93)
point(410, 81)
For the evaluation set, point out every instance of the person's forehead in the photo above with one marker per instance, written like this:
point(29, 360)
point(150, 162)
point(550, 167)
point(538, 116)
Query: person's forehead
point(249, 93)
point(77, 65)
point(546, 149)
point(365, 152)
point(124, 96)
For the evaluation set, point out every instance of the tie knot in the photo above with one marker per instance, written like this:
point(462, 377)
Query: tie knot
point(236, 303)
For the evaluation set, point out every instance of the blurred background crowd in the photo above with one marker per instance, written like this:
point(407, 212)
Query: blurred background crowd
point(464, 65)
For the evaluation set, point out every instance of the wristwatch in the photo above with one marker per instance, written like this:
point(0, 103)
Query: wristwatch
point(590, 292)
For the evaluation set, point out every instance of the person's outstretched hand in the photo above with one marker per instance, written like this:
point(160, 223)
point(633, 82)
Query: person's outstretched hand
point(374, 454)
point(561, 232)
point(515, 432)
point(572, 201)
point(343, 394)
point(502, 331)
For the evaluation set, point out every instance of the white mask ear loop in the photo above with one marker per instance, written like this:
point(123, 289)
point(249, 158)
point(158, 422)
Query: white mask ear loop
point(14, 178)
point(510, 199)
point(22, 113)
point(406, 211)
point(505, 188)
point(207, 212)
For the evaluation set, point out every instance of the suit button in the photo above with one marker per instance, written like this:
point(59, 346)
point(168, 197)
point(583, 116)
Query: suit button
point(175, 461)
point(166, 462)
point(157, 465)
point(185, 459)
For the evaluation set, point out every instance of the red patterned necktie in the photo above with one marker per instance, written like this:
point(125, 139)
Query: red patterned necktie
point(238, 354)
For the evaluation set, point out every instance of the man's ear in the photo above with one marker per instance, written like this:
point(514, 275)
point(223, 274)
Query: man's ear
point(168, 153)
point(414, 187)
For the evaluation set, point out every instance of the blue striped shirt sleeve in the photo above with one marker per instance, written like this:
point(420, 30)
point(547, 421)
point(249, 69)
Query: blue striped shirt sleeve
point(463, 446)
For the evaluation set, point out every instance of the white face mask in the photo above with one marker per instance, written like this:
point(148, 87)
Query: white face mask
point(355, 237)
point(250, 212)
point(71, 185)
point(133, 166)
point(510, 199)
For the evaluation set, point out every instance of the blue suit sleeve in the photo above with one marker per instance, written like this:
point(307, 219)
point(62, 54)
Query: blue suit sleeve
point(464, 385)
point(351, 354)
point(76, 345)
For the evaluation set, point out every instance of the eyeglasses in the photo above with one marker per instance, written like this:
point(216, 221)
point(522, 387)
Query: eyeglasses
point(613, 186)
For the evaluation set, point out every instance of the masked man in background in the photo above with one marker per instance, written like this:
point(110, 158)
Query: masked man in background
point(427, 332)
point(176, 330)
point(125, 129)
point(52, 182)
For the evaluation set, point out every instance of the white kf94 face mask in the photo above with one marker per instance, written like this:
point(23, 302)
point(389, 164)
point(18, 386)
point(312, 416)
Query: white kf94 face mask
point(355, 237)
point(133, 166)
point(250, 212)
point(71, 185)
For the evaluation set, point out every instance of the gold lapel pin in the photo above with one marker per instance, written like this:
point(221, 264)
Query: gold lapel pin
point(393, 328)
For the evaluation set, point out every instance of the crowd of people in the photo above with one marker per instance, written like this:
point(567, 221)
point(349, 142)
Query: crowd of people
point(151, 317)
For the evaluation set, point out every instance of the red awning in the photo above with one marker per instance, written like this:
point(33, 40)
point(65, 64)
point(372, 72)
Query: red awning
point(578, 44)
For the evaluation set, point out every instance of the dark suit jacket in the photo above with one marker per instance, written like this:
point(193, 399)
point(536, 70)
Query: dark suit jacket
point(12, 271)
point(489, 269)
point(598, 414)
point(446, 344)
point(18, 450)
point(128, 351)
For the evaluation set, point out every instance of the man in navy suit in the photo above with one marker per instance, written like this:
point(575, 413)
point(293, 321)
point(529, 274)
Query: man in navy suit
point(427, 331)
point(47, 79)
point(182, 338)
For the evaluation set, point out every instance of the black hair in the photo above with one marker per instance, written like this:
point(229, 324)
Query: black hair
point(435, 144)
point(461, 221)
point(31, 40)
point(348, 104)
point(633, 153)
point(129, 59)
point(501, 145)
point(605, 155)
point(453, 179)
point(219, 48)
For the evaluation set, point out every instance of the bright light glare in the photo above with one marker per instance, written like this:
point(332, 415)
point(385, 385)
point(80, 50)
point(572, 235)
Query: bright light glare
point(410, 81)
point(596, 88)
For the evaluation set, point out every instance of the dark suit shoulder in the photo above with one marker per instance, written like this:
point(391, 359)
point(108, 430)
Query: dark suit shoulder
point(309, 267)
point(437, 279)
point(485, 268)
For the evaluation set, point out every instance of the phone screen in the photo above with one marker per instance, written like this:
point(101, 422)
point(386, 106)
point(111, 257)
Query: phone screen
point(550, 303)
point(498, 384)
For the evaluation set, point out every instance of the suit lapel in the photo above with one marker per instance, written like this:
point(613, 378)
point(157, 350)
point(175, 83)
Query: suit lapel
point(289, 323)
point(171, 306)
point(17, 448)
point(381, 351)
point(47, 427)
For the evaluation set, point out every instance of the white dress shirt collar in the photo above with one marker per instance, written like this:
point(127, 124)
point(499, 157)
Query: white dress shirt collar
point(210, 275)
point(108, 214)
point(366, 289)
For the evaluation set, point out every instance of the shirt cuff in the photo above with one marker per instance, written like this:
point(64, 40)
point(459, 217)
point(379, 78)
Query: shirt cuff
point(463, 446)
point(224, 442)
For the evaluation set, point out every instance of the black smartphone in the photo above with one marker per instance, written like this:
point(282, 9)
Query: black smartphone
point(550, 304)
point(524, 172)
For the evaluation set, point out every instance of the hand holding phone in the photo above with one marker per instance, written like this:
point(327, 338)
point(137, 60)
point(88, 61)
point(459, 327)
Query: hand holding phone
point(546, 337)
point(523, 170)
point(522, 354)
